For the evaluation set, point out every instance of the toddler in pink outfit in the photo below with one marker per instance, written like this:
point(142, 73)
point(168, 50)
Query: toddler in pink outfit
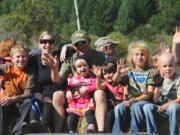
point(79, 95)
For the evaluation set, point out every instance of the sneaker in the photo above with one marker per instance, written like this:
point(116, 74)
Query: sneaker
point(71, 132)
point(46, 126)
point(26, 129)
point(91, 128)
point(37, 126)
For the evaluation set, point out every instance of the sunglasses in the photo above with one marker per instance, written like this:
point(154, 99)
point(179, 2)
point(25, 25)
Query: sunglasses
point(45, 41)
point(80, 43)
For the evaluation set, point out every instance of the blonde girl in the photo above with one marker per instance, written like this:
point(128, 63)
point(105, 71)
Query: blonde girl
point(139, 89)
point(81, 104)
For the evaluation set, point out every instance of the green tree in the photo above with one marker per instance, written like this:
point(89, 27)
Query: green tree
point(133, 13)
point(98, 16)
point(7, 6)
point(167, 18)
point(123, 43)
point(32, 17)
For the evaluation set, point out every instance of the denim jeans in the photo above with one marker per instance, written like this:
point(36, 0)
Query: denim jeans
point(172, 114)
point(124, 113)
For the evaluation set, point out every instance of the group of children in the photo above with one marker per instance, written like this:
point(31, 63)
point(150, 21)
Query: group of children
point(136, 92)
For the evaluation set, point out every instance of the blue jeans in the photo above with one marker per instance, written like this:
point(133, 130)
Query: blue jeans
point(124, 113)
point(172, 114)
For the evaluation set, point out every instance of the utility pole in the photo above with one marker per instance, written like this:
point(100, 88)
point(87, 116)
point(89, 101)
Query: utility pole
point(77, 14)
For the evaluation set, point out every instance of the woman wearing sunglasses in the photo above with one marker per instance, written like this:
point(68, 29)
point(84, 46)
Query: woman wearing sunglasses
point(46, 88)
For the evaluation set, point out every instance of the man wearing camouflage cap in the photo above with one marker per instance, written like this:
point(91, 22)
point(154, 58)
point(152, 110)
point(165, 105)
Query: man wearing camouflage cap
point(81, 42)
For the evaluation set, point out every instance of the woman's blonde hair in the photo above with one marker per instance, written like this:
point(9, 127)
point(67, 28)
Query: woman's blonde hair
point(18, 48)
point(46, 33)
point(141, 45)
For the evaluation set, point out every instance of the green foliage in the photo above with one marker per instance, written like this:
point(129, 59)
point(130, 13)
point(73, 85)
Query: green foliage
point(148, 20)
point(166, 20)
point(145, 32)
point(7, 6)
point(133, 13)
point(125, 21)
point(123, 43)
point(98, 16)
point(93, 39)
point(144, 9)
point(20, 29)
point(67, 30)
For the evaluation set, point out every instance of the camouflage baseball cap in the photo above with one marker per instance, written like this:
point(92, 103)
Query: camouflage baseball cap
point(79, 36)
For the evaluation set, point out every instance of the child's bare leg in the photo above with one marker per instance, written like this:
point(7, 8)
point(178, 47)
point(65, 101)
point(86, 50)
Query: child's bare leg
point(101, 108)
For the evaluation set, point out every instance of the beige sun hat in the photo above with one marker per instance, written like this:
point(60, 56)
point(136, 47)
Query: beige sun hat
point(105, 41)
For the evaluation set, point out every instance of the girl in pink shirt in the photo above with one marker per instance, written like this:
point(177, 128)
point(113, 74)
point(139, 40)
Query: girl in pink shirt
point(79, 95)
point(107, 80)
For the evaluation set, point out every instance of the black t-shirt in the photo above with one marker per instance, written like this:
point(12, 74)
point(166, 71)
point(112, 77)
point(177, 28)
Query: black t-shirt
point(43, 72)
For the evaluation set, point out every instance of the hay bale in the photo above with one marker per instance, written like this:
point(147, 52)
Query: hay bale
point(82, 125)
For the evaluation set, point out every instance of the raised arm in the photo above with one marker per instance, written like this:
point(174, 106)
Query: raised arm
point(64, 50)
point(164, 47)
point(176, 46)
point(53, 63)
point(98, 72)
point(121, 70)
point(55, 70)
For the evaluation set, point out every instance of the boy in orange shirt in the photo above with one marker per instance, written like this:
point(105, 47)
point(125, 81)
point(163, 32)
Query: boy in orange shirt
point(18, 83)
